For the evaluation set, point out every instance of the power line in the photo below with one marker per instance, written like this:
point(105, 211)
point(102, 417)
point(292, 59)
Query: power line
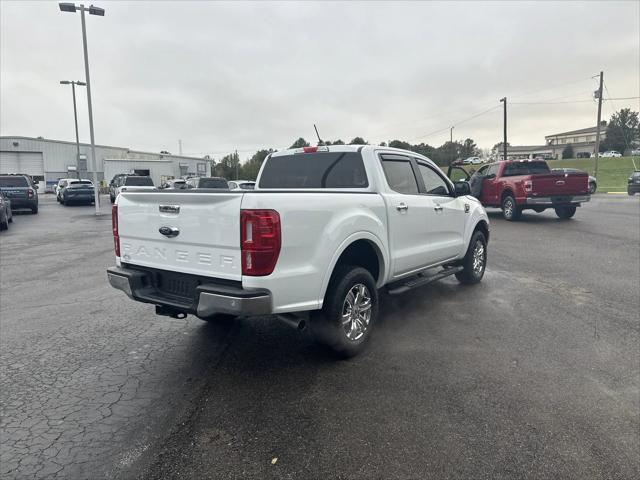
point(551, 103)
point(457, 123)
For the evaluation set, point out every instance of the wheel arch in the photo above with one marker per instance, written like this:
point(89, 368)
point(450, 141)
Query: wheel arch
point(363, 249)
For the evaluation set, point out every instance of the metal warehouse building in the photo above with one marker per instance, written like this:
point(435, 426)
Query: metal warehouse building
point(48, 160)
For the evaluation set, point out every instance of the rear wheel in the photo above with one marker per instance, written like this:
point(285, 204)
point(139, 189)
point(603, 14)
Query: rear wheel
point(630, 192)
point(565, 213)
point(349, 312)
point(4, 225)
point(510, 210)
point(112, 198)
point(34, 210)
point(592, 187)
point(475, 261)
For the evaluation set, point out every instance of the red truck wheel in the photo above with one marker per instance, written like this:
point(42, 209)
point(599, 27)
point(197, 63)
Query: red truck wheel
point(565, 213)
point(510, 210)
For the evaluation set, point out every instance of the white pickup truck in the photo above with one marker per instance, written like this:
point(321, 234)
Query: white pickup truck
point(324, 230)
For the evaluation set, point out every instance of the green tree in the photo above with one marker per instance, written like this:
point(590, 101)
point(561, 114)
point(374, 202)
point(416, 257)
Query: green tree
point(567, 152)
point(623, 130)
point(228, 167)
point(358, 141)
point(338, 142)
point(251, 168)
point(299, 143)
point(469, 149)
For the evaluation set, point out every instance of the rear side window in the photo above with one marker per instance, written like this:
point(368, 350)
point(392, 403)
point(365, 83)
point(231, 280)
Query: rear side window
point(213, 183)
point(138, 182)
point(525, 168)
point(13, 182)
point(400, 176)
point(315, 170)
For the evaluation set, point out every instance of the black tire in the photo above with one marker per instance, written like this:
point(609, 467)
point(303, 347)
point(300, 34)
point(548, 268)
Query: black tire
point(471, 275)
point(327, 326)
point(592, 188)
point(10, 219)
point(113, 200)
point(630, 193)
point(565, 213)
point(539, 209)
point(34, 210)
point(4, 225)
point(510, 210)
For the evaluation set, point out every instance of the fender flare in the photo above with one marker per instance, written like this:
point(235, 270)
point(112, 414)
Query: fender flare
point(354, 237)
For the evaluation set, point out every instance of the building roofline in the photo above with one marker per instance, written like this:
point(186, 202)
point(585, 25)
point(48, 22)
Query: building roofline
point(17, 137)
point(580, 130)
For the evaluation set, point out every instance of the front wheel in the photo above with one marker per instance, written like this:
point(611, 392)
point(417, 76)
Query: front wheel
point(475, 261)
point(349, 312)
point(565, 213)
point(510, 210)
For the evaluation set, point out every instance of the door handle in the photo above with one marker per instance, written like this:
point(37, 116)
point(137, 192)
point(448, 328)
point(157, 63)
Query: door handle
point(438, 208)
point(402, 207)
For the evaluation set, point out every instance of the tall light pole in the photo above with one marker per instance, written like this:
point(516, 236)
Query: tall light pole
point(451, 134)
point(71, 7)
point(75, 116)
point(504, 140)
point(599, 94)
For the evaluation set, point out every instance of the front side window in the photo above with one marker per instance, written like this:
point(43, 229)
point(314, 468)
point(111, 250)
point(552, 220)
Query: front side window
point(400, 176)
point(434, 184)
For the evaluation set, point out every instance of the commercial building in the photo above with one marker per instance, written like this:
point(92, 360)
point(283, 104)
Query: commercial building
point(583, 142)
point(48, 160)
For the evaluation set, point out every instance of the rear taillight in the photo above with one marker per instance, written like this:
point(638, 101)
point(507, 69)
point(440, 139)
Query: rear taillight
point(30, 193)
point(259, 241)
point(114, 228)
point(528, 186)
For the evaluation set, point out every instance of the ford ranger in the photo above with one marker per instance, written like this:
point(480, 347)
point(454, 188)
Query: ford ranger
point(324, 230)
point(517, 185)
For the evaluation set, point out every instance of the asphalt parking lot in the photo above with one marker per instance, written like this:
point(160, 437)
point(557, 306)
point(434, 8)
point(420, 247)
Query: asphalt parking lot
point(535, 373)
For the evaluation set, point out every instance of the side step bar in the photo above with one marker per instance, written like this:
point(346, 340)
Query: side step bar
point(421, 280)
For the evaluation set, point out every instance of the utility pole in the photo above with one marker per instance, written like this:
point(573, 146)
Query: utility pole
point(599, 94)
point(237, 159)
point(451, 134)
point(504, 140)
point(180, 147)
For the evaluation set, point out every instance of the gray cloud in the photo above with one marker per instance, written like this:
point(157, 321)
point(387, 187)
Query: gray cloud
point(222, 76)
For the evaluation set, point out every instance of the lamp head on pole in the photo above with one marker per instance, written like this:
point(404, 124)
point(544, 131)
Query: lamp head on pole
point(67, 7)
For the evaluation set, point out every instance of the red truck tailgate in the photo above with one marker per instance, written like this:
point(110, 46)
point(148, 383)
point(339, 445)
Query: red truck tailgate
point(555, 184)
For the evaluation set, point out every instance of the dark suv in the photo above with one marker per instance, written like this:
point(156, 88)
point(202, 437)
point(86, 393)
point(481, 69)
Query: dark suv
point(633, 183)
point(21, 190)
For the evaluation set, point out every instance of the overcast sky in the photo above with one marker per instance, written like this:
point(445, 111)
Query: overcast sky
point(224, 76)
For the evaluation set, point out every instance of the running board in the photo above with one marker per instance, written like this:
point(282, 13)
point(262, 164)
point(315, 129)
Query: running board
point(421, 280)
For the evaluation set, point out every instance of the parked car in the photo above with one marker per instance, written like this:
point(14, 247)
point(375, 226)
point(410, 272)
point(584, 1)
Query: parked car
point(472, 161)
point(62, 183)
point(21, 190)
point(593, 183)
point(176, 184)
point(583, 155)
point(611, 153)
point(241, 185)
point(80, 191)
point(633, 183)
point(517, 185)
point(124, 180)
point(635, 152)
point(208, 182)
point(6, 215)
point(324, 230)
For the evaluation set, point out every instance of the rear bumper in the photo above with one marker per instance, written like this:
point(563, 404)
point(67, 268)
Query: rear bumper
point(209, 298)
point(633, 187)
point(23, 203)
point(557, 201)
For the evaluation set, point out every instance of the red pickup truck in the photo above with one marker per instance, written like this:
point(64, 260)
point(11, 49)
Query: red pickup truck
point(517, 185)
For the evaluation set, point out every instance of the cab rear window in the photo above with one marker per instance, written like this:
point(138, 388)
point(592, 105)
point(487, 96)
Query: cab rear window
point(315, 170)
point(138, 182)
point(13, 182)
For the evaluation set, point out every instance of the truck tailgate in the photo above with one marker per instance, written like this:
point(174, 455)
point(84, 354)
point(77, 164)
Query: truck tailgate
point(555, 184)
point(202, 234)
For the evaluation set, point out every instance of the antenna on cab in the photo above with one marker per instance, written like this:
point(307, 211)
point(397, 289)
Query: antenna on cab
point(320, 142)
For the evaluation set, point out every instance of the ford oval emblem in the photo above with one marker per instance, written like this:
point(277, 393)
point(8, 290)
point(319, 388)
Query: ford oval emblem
point(169, 231)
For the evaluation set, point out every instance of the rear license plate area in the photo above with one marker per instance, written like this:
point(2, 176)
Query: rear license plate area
point(176, 284)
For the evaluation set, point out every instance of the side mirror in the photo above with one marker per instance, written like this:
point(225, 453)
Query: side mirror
point(462, 188)
point(35, 186)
